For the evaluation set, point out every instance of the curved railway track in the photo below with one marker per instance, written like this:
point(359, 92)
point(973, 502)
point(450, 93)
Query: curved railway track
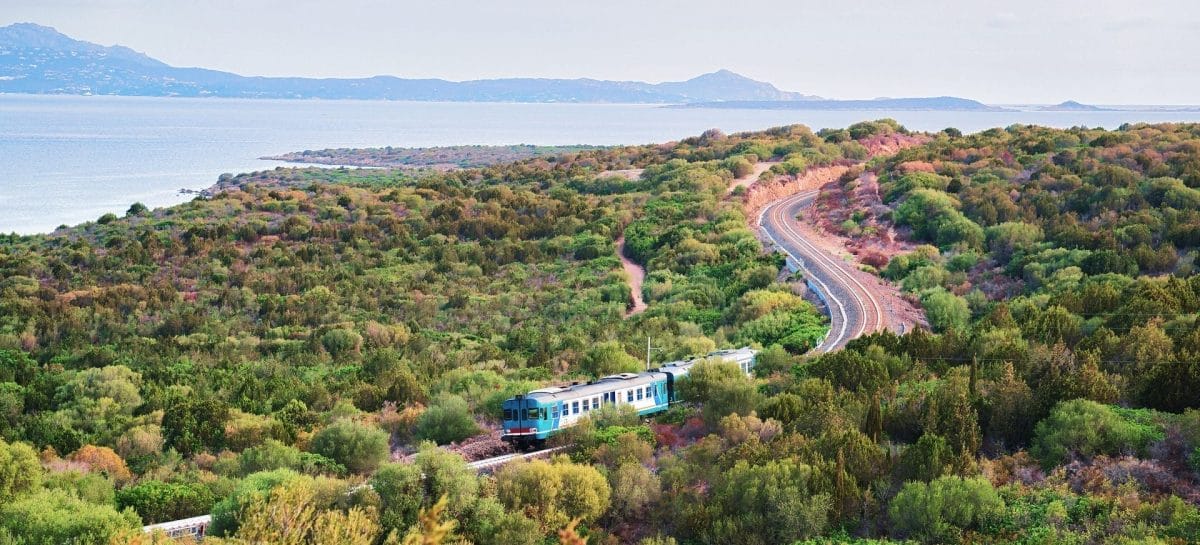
point(853, 309)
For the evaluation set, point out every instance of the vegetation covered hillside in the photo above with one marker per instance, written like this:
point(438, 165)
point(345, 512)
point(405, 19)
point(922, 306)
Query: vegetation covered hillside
point(261, 354)
point(301, 310)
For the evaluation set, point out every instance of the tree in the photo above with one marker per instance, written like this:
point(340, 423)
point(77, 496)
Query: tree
point(227, 513)
point(192, 423)
point(358, 447)
point(270, 455)
point(293, 515)
point(1012, 409)
point(722, 387)
point(554, 493)
point(952, 415)
point(780, 501)
point(102, 400)
point(609, 358)
point(430, 528)
point(447, 420)
point(945, 310)
point(102, 460)
point(634, 489)
point(20, 470)
point(852, 370)
point(873, 422)
point(137, 209)
point(401, 495)
point(937, 512)
point(1085, 428)
point(55, 516)
point(927, 459)
point(446, 474)
point(157, 501)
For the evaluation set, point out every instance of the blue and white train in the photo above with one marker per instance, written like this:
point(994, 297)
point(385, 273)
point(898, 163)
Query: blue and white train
point(532, 418)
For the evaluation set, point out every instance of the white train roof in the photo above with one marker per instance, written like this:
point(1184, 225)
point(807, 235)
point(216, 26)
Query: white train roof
point(611, 383)
point(600, 386)
point(735, 355)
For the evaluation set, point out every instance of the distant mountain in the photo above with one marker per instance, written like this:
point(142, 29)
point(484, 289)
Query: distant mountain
point(927, 103)
point(38, 59)
point(1072, 106)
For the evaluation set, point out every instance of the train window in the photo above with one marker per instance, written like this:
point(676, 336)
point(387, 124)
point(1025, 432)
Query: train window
point(532, 414)
point(595, 403)
point(543, 413)
point(553, 412)
point(508, 414)
point(648, 392)
point(575, 407)
point(639, 393)
point(629, 396)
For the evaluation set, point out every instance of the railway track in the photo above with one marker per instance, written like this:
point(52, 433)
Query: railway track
point(853, 309)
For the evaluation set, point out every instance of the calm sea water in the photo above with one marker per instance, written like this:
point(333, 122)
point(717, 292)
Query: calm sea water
point(66, 160)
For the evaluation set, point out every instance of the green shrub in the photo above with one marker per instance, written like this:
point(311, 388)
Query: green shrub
point(939, 511)
point(1086, 428)
point(447, 420)
point(359, 447)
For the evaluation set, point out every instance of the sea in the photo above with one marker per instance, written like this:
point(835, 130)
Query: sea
point(65, 160)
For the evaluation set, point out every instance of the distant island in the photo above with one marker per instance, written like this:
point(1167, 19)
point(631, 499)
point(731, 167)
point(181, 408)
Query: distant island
point(440, 158)
point(40, 60)
point(1072, 106)
point(894, 104)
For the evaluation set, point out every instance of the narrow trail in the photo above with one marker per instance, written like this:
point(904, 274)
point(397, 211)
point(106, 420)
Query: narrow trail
point(637, 275)
point(747, 180)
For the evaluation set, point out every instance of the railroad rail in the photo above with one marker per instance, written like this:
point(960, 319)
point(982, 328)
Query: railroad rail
point(853, 309)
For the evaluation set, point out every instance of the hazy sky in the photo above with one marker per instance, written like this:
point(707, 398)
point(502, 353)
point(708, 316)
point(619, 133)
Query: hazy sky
point(1013, 51)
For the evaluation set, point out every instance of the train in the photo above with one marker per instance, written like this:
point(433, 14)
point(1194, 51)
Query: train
point(529, 419)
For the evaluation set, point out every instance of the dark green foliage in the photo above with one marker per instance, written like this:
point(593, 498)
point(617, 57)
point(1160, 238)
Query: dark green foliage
point(927, 459)
point(20, 472)
point(722, 387)
point(54, 516)
point(1085, 428)
point(447, 420)
point(939, 511)
point(777, 502)
point(359, 447)
point(307, 308)
point(192, 423)
point(157, 501)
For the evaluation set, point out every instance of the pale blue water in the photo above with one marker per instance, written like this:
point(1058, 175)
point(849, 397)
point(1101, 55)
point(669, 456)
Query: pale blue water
point(66, 160)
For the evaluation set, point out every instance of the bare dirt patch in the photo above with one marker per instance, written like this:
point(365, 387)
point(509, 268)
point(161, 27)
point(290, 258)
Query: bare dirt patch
point(636, 276)
point(627, 173)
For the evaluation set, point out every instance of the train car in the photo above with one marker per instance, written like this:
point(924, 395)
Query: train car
point(533, 417)
point(194, 527)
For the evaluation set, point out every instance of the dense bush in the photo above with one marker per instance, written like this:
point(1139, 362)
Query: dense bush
point(1085, 428)
point(939, 511)
point(447, 420)
point(358, 447)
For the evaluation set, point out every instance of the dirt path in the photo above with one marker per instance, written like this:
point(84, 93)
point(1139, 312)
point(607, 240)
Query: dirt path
point(747, 180)
point(636, 276)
